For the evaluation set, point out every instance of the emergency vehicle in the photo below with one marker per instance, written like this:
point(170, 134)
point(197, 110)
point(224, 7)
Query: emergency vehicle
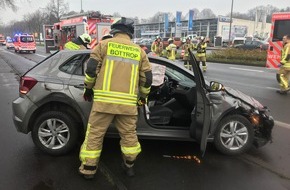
point(2, 39)
point(24, 42)
point(70, 27)
point(280, 27)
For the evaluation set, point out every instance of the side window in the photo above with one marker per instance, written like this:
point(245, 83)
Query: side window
point(75, 64)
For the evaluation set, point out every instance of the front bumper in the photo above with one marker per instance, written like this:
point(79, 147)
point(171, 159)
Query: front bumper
point(263, 133)
point(21, 115)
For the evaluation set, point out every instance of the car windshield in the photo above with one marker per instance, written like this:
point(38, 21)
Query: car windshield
point(9, 40)
point(26, 39)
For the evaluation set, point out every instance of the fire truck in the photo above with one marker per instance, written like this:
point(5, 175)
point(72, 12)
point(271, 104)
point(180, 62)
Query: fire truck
point(2, 39)
point(70, 27)
point(280, 27)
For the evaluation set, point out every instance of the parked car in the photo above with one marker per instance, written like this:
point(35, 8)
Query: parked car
point(256, 44)
point(9, 43)
point(184, 107)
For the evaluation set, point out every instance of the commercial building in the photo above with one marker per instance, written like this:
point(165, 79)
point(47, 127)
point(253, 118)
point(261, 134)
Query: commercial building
point(213, 28)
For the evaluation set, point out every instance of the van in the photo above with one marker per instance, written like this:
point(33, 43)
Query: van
point(238, 40)
point(24, 42)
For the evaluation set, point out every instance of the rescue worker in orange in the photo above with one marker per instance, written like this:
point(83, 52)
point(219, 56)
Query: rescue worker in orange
point(186, 47)
point(285, 66)
point(171, 50)
point(80, 43)
point(157, 46)
point(201, 53)
point(118, 79)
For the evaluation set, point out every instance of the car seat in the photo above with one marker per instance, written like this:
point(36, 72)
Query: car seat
point(160, 115)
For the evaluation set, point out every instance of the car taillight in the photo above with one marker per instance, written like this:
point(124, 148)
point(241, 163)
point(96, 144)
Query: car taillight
point(26, 84)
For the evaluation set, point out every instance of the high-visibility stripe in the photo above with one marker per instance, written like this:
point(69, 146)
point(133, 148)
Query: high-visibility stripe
point(106, 75)
point(118, 95)
point(90, 153)
point(124, 60)
point(133, 78)
point(144, 90)
point(115, 101)
point(131, 150)
point(110, 74)
point(89, 79)
point(71, 46)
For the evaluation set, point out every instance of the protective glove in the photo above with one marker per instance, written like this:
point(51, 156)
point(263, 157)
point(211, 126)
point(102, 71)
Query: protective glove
point(88, 94)
point(141, 101)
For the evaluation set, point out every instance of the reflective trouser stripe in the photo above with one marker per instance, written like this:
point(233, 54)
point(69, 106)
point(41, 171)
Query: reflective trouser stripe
point(131, 150)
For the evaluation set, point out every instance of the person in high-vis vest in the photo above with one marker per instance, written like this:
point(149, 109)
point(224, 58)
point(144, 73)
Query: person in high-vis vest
point(201, 53)
point(157, 46)
point(284, 70)
point(118, 79)
point(80, 43)
point(186, 47)
point(171, 50)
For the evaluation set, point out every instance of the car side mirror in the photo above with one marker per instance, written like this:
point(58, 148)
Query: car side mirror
point(216, 86)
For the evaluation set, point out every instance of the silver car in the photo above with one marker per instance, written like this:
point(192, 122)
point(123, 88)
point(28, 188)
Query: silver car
point(183, 107)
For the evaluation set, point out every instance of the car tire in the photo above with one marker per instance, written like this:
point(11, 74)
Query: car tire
point(15, 51)
point(62, 133)
point(33, 51)
point(237, 140)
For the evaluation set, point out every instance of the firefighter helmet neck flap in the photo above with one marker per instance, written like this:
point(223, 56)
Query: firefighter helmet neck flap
point(123, 25)
point(86, 38)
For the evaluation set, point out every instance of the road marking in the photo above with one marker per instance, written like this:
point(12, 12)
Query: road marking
point(251, 70)
point(281, 124)
point(272, 88)
point(40, 55)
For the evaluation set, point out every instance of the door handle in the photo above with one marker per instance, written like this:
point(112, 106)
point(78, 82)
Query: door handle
point(79, 86)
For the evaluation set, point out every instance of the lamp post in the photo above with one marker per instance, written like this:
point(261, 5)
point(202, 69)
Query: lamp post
point(82, 6)
point(230, 31)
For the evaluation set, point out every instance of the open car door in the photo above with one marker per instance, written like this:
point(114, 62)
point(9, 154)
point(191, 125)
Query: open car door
point(201, 115)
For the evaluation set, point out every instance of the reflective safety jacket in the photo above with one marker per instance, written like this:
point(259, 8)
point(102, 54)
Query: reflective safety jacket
point(73, 46)
point(285, 56)
point(122, 74)
point(185, 47)
point(157, 48)
point(201, 49)
point(171, 51)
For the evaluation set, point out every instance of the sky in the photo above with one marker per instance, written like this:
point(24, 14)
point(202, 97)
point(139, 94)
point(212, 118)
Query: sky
point(142, 8)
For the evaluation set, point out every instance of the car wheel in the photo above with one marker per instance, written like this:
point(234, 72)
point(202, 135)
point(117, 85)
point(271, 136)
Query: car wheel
point(15, 51)
point(234, 135)
point(33, 51)
point(55, 133)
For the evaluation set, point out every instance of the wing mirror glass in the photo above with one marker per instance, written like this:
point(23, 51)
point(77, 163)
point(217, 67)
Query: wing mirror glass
point(216, 86)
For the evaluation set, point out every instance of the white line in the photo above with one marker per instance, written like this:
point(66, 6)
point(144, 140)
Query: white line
point(251, 70)
point(281, 124)
point(272, 88)
point(40, 55)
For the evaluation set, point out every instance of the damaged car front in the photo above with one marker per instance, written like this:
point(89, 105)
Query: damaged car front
point(238, 120)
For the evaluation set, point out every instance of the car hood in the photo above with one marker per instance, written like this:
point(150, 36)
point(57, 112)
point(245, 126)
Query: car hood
point(243, 97)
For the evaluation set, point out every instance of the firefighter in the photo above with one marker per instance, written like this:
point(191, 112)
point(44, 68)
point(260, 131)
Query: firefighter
point(81, 42)
point(157, 46)
point(201, 53)
point(284, 70)
point(186, 47)
point(118, 79)
point(171, 50)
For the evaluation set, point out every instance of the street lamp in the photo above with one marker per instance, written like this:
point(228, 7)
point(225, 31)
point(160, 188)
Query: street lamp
point(231, 22)
point(82, 6)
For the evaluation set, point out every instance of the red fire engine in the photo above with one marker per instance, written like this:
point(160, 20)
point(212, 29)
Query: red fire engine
point(70, 27)
point(280, 27)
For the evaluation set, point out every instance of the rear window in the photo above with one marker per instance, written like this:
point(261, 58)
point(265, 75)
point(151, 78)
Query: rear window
point(26, 39)
point(281, 28)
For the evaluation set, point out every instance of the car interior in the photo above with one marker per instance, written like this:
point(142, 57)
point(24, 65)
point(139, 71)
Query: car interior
point(171, 103)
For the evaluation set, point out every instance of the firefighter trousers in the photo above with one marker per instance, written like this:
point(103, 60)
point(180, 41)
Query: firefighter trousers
point(284, 78)
point(97, 126)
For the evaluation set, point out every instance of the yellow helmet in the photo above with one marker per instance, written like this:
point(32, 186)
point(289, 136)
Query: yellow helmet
point(86, 38)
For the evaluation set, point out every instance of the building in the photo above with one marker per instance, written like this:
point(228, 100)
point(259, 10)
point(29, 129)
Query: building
point(213, 28)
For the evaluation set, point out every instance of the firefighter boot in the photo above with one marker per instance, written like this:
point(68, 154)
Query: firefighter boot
point(204, 68)
point(88, 172)
point(128, 168)
point(283, 92)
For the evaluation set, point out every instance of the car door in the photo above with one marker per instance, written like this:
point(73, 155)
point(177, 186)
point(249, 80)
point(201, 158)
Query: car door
point(201, 115)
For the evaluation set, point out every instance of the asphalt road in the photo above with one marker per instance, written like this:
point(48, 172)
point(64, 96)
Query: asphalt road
point(25, 167)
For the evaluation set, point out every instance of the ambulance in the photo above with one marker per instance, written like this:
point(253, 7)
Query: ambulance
point(24, 43)
point(280, 27)
point(70, 27)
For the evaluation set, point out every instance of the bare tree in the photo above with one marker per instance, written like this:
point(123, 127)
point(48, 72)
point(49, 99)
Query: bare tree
point(8, 3)
point(57, 8)
point(206, 13)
